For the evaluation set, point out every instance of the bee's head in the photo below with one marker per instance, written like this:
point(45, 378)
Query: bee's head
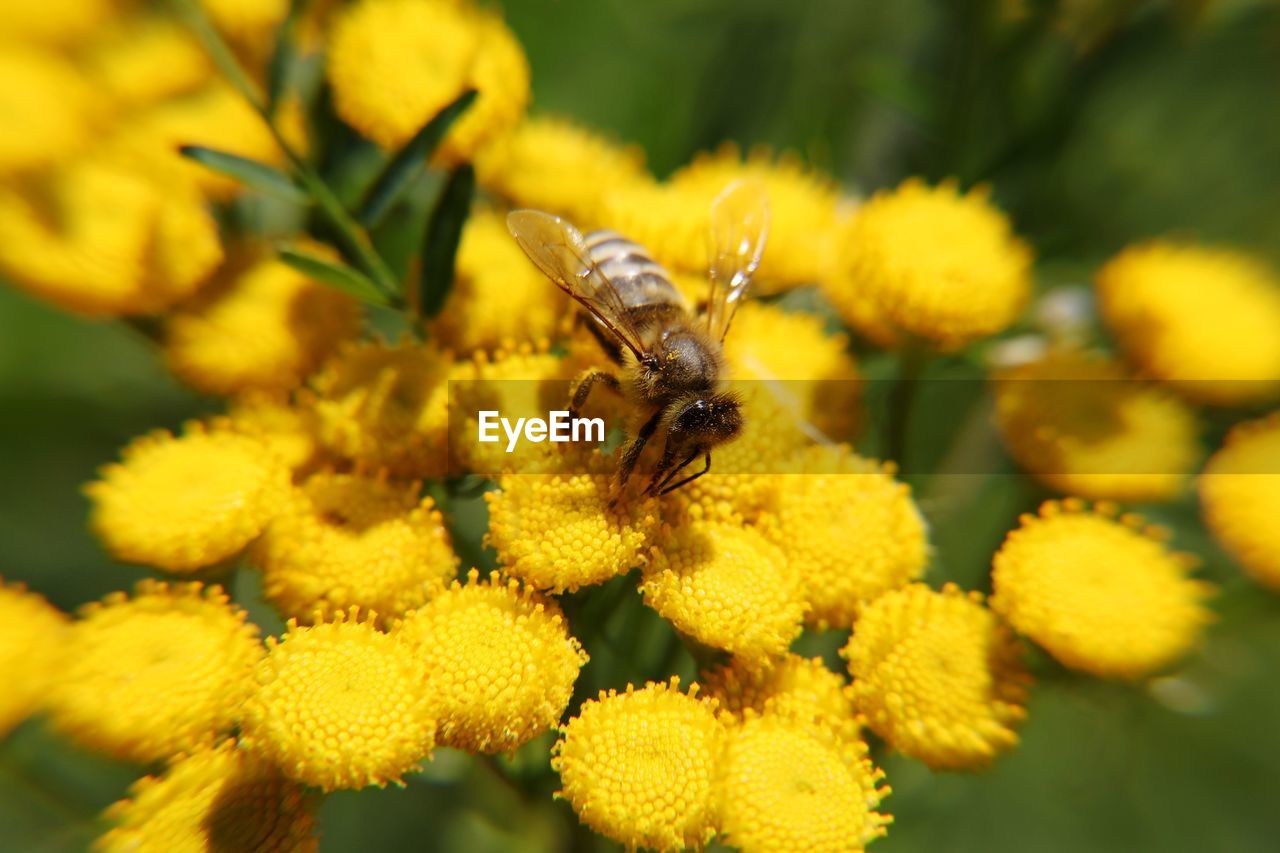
point(705, 420)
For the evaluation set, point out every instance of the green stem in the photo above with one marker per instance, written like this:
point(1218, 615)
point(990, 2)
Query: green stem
point(901, 402)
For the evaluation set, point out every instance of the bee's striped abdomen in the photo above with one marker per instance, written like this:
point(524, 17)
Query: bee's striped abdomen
point(636, 276)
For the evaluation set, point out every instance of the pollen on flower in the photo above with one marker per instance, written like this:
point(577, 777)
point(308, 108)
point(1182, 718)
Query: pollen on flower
point(340, 705)
point(850, 528)
point(33, 636)
point(217, 798)
point(500, 663)
point(346, 539)
point(1101, 594)
point(786, 786)
point(800, 690)
point(938, 676)
point(49, 109)
point(559, 531)
point(726, 586)
point(162, 672)
point(1240, 497)
point(639, 766)
point(1078, 424)
point(1202, 319)
point(938, 264)
point(263, 328)
point(183, 503)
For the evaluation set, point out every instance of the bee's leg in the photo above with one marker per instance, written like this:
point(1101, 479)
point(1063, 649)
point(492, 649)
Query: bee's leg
point(664, 489)
point(582, 388)
point(631, 455)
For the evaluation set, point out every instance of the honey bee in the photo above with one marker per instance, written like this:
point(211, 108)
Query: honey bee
point(670, 359)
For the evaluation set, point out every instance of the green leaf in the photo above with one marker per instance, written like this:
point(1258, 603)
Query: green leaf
point(251, 173)
point(440, 243)
point(335, 274)
point(284, 56)
point(403, 168)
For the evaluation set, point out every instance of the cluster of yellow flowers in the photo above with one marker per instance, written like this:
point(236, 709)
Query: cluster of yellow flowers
point(333, 471)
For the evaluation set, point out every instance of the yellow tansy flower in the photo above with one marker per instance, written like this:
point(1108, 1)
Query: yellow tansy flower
point(1203, 319)
point(288, 431)
point(54, 22)
point(852, 530)
point(1079, 425)
point(638, 767)
point(340, 705)
point(386, 407)
point(249, 23)
point(163, 672)
point(49, 109)
point(183, 503)
point(216, 799)
point(554, 164)
point(559, 532)
point(32, 638)
point(143, 59)
point(784, 786)
point(102, 239)
point(938, 676)
point(500, 663)
point(726, 586)
point(937, 264)
point(673, 223)
point(1240, 497)
point(1100, 594)
point(799, 690)
point(343, 539)
point(264, 328)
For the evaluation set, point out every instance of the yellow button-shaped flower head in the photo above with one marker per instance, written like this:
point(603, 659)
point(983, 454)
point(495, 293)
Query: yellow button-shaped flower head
point(57, 22)
point(183, 503)
point(386, 407)
point(785, 786)
point(560, 532)
point(264, 328)
point(340, 705)
point(49, 109)
point(346, 539)
point(938, 676)
point(500, 663)
point(672, 222)
point(726, 586)
point(218, 798)
point(800, 690)
point(940, 265)
point(1078, 424)
point(145, 59)
point(850, 528)
point(1101, 594)
point(1240, 497)
point(33, 636)
point(287, 430)
point(639, 766)
point(1203, 319)
point(162, 672)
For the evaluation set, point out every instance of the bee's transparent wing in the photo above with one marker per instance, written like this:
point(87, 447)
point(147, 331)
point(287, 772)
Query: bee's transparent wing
point(559, 250)
point(739, 228)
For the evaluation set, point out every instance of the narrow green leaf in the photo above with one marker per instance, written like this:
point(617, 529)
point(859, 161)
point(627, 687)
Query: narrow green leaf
point(409, 161)
point(251, 173)
point(335, 274)
point(284, 56)
point(440, 243)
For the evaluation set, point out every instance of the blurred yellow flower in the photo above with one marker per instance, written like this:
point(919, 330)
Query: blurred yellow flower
point(285, 429)
point(49, 109)
point(216, 799)
point(53, 22)
point(849, 527)
point(343, 539)
point(183, 503)
point(340, 705)
point(162, 672)
point(799, 690)
point(673, 223)
point(726, 586)
point(1203, 319)
point(638, 767)
point(938, 676)
point(500, 73)
point(142, 59)
point(937, 264)
point(554, 164)
point(248, 23)
point(385, 406)
point(1100, 594)
point(101, 239)
point(785, 786)
point(1078, 424)
point(500, 663)
point(33, 635)
point(263, 327)
point(1240, 497)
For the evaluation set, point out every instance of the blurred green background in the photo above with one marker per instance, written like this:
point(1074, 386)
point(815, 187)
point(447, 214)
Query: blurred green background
point(1096, 123)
